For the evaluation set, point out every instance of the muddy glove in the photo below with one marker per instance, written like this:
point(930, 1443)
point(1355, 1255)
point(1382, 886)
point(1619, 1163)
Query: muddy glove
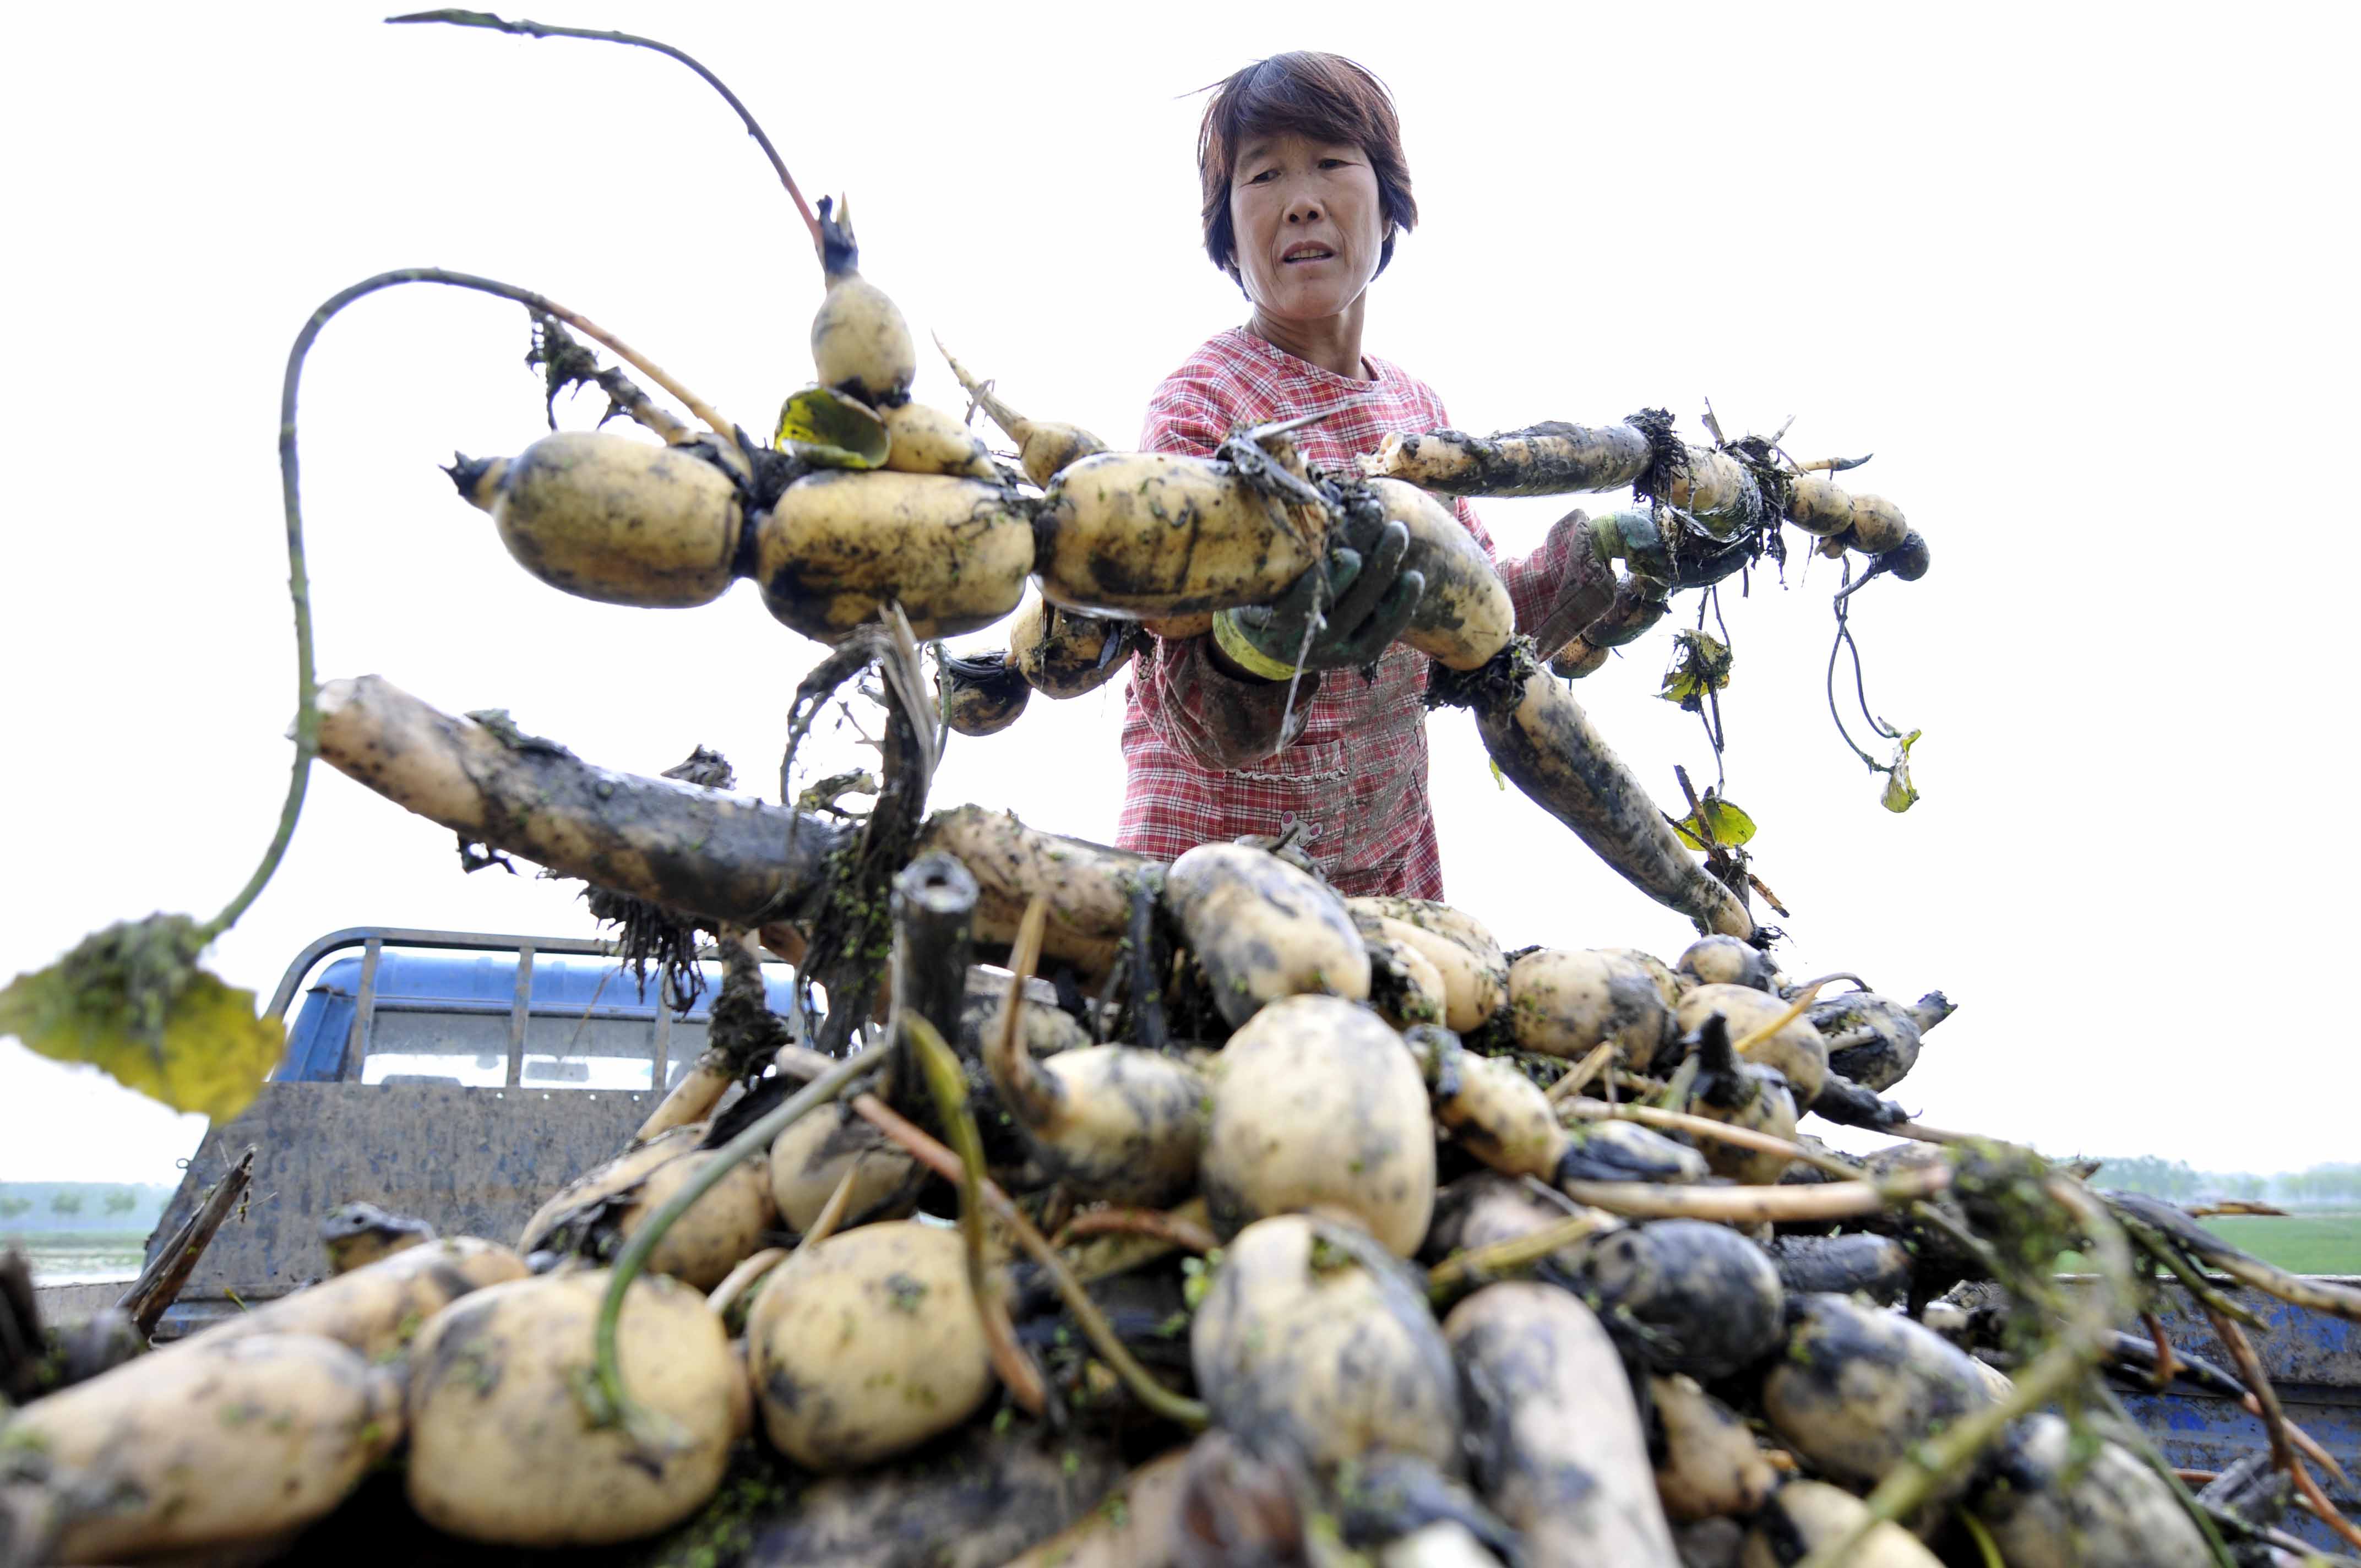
point(1585, 589)
point(1356, 602)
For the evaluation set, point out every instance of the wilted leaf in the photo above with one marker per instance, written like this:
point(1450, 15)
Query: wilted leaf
point(831, 430)
point(131, 1001)
point(1731, 827)
point(1900, 793)
point(1700, 664)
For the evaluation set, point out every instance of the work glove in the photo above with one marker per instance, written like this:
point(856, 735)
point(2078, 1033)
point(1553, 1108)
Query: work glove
point(1356, 600)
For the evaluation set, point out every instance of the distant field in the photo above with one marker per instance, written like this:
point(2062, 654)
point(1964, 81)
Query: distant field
point(67, 1257)
point(2300, 1243)
point(2304, 1244)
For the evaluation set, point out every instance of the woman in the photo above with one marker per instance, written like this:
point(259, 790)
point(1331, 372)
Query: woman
point(1305, 193)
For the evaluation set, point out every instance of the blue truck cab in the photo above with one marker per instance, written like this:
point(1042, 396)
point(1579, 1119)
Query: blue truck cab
point(488, 1011)
point(458, 1076)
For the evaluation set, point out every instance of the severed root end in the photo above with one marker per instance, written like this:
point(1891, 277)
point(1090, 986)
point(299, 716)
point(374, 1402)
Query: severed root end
point(652, 932)
point(1015, 425)
point(839, 253)
point(1494, 686)
point(477, 478)
point(648, 932)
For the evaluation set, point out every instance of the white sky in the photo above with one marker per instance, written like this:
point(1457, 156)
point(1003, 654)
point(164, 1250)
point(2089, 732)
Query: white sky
point(2081, 276)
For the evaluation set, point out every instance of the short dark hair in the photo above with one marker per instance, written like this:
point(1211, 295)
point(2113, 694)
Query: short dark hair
point(1324, 97)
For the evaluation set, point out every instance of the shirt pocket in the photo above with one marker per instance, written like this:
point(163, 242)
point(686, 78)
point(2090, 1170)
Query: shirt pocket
point(1306, 786)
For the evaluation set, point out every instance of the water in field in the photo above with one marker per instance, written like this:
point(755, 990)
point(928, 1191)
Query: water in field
point(81, 1258)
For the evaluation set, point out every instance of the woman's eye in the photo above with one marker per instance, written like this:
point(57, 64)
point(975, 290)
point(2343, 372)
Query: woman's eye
point(1267, 174)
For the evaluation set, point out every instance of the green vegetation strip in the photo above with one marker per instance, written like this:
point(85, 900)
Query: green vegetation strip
point(2300, 1243)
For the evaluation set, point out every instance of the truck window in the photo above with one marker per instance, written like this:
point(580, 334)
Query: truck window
point(447, 1017)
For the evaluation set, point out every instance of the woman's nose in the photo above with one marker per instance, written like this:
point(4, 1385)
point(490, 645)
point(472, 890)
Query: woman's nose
point(1303, 209)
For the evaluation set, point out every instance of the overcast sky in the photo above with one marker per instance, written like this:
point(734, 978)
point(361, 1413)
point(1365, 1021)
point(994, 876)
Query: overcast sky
point(2081, 277)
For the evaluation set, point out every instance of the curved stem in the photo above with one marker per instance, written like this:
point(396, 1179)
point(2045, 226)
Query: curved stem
point(2182, 1265)
point(1463, 1271)
point(544, 30)
point(1014, 425)
point(1033, 1095)
point(2276, 1426)
point(1919, 1132)
point(940, 1069)
point(1752, 1205)
point(1165, 1227)
point(299, 582)
point(831, 1213)
point(1802, 998)
point(1576, 1079)
point(1834, 649)
point(599, 335)
point(298, 589)
point(610, 1401)
point(1706, 1127)
point(1877, 725)
point(742, 1281)
point(1987, 1550)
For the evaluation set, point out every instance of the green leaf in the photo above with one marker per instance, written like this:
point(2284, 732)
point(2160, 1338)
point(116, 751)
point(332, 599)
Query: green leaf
point(1731, 828)
point(829, 430)
point(1900, 793)
point(1700, 664)
point(132, 1001)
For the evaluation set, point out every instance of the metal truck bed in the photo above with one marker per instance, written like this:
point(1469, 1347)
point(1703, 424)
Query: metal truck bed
point(2314, 1362)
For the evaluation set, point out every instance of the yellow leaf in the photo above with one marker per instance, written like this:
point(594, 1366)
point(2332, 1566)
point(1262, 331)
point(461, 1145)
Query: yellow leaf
point(1731, 827)
point(829, 430)
point(131, 1001)
point(1900, 795)
point(1700, 664)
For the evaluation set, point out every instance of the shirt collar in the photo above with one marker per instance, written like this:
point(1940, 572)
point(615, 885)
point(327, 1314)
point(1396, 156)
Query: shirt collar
point(1262, 348)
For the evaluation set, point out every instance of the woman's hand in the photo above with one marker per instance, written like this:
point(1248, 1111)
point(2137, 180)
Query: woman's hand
point(1354, 603)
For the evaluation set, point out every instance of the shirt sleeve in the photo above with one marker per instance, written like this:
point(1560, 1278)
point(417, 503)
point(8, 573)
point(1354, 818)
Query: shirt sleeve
point(1184, 416)
point(1216, 719)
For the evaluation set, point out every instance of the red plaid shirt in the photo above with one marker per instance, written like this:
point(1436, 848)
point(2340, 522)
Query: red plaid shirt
point(1204, 756)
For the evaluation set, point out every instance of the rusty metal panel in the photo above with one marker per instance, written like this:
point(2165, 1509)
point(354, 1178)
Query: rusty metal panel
point(469, 1162)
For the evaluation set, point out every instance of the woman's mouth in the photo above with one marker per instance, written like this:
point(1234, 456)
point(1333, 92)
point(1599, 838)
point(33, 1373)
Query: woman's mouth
point(1306, 252)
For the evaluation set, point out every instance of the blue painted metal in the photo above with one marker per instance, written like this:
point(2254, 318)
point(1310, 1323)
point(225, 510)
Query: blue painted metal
point(572, 986)
point(2314, 1361)
point(369, 1102)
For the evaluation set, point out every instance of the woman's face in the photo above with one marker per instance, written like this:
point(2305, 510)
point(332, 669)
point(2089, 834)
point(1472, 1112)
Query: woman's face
point(1308, 225)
